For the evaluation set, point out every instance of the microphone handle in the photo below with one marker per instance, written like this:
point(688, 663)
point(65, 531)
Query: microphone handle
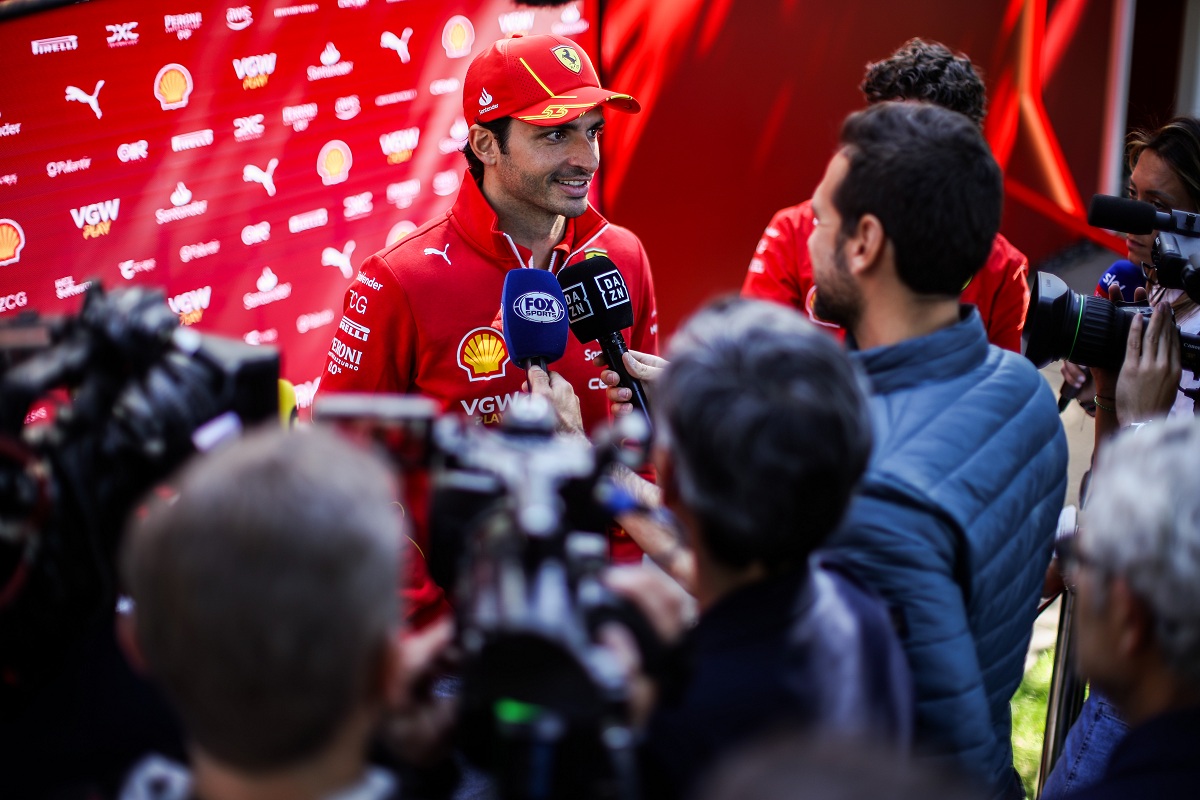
point(1068, 393)
point(536, 361)
point(613, 345)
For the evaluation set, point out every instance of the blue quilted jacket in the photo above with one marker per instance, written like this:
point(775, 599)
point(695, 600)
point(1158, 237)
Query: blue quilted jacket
point(954, 525)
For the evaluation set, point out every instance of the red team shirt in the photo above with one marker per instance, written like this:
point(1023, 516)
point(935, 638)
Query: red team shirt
point(422, 317)
point(782, 271)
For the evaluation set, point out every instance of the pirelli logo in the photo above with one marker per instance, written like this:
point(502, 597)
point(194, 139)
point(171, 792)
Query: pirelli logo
point(354, 329)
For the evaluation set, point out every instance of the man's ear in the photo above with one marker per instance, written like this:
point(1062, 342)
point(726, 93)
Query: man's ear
point(1135, 623)
point(866, 246)
point(483, 142)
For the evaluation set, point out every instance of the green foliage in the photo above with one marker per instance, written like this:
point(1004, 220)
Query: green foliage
point(1029, 719)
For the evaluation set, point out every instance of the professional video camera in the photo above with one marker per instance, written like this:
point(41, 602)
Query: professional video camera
point(515, 520)
point(1092, 331)
point(139, 395)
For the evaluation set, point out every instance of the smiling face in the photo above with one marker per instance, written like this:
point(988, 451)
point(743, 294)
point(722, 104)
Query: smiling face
point(1153, 181)
point(546, 173)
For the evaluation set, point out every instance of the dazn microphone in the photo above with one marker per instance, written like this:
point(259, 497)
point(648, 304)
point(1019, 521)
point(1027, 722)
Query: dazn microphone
point(535, 318)
point(599, 308)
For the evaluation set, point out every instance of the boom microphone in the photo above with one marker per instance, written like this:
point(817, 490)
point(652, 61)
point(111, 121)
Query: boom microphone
point(1134, 216)
point(599, 308)
point(535, 319)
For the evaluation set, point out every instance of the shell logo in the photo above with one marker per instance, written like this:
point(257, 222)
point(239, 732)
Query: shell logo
point(482, 354)
point(172, 86)
point(458, 36)
point(333, 162)
point(12, 241)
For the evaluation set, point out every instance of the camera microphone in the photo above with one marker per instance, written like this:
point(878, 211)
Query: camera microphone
point(535, 319)
point(599, 308)
point(1134, 216)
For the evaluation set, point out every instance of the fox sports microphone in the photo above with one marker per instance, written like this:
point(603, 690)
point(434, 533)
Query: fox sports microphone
point(599, 308)
point(1127, 276)
point(535, 319)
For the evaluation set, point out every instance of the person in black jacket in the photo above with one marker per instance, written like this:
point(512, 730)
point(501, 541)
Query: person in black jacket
point(762, 434)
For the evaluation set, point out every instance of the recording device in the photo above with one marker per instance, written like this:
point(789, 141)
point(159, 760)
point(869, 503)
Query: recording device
point(1176, 250)
point(599, 308)
point(1090, 331)
point(535, 320)
point(1128, 277)
point(144, 394)
point(543, 707)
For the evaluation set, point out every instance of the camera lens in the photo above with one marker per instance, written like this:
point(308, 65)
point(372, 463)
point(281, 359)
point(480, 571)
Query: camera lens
point(1063, 324)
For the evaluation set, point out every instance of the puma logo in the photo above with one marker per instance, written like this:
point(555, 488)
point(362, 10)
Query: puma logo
point(430, 251)
point(332, 257)
point(252, 174)
point(91, 100)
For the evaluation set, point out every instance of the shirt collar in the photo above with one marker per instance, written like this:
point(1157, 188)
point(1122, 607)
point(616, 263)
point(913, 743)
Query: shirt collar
point(478, 223)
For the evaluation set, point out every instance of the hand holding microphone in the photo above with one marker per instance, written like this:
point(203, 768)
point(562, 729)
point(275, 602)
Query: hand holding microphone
point(535, 331)
point(599, 308)
point(642, 367)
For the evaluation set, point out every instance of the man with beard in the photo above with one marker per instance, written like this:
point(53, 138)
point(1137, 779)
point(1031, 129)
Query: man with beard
point(955, 518)
point(423, 315)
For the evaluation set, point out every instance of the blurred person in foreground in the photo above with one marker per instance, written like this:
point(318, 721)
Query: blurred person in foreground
point(762, 434)
point(791, 766)
point(954, 521)
point(1150, 385)
point(266, 607)
point(781, 269)
point(1135, 566)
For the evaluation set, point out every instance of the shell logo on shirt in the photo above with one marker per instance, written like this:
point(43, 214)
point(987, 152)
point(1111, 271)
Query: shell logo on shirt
point(482, 354)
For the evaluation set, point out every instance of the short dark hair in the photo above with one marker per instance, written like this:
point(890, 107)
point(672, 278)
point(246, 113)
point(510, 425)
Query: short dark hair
point(266, 592)
point(766, 421)
point(500, 128)
point(1178, 144)
point(929, 71)
point(928, 175)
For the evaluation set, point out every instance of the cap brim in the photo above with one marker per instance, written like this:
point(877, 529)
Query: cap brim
point(574, 104)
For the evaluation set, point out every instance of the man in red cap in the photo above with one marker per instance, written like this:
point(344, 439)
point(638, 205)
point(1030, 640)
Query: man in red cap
point(423, 315)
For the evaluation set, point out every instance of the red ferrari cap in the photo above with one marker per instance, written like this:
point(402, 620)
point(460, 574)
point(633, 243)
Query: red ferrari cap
point(543, 80)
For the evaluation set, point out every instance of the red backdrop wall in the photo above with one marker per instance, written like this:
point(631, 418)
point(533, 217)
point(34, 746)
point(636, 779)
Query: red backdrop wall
point(743, 101)
point(245, 158)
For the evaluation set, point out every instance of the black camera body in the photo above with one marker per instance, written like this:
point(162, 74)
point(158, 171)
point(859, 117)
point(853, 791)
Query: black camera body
point(141, 395)
point(1093, 331)
point(516, 537)
point(1086, 330)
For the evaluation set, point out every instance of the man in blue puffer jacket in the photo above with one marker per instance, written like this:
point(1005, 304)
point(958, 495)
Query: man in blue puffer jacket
point(955, 520)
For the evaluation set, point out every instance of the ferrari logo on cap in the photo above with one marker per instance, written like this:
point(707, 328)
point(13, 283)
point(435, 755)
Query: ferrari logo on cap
point(567, 56)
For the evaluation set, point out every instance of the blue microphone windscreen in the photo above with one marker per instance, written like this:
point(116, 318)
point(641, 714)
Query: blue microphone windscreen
point(1125, 274)
point(535, 316)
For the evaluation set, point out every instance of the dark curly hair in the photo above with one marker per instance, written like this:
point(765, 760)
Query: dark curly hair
point(929, 71)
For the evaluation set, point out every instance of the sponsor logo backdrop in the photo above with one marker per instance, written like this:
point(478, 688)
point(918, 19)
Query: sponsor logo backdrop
point(242, 157)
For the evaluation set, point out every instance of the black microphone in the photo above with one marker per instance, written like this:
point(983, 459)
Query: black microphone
point(535, 323)
point(599, 308)
point(1134, 216)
